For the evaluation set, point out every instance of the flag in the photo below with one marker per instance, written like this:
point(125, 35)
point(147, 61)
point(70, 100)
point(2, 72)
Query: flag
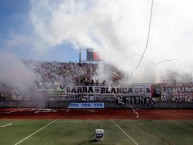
point(96, 56)
point(92, 55)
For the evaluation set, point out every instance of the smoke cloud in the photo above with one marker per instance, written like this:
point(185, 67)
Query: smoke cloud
point(118, 30)
point(15, 73)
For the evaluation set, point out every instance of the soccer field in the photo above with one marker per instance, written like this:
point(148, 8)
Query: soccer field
point(82, 132)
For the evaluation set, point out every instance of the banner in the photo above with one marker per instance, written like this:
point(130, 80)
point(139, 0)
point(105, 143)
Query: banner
point(178, 92)
point(86, 105)
point(129, 90)
point(140, 100)
point(85, 98)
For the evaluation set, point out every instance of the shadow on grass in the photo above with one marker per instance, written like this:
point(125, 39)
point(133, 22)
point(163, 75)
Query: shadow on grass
point(93, 140)
point(88, 139)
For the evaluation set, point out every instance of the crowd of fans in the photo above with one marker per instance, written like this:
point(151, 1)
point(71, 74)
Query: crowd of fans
point(67, 73)
point(73, 73)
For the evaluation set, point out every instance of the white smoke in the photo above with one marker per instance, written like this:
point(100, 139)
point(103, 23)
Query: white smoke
point(14, 73)
point(118, 29)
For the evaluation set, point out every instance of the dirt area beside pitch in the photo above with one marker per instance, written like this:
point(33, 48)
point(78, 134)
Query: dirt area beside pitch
point(150, 114)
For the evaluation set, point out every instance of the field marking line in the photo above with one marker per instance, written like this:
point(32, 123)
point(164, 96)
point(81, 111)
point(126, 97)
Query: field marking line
point(35, 132)
point(5, 125)
point(125, 132)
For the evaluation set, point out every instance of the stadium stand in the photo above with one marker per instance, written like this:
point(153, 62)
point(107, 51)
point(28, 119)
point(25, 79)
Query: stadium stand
point(76, 85)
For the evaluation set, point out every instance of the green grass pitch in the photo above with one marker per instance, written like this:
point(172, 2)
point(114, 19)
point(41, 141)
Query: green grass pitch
point(82, 132)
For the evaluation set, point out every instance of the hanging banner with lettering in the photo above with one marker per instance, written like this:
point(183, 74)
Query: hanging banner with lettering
point(160, 92)
point(179, 92)
point(86, 105)
point(129, 90)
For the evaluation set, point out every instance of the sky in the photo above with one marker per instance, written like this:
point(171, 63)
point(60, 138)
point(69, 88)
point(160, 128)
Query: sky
point(17, 36)
point(116, 29)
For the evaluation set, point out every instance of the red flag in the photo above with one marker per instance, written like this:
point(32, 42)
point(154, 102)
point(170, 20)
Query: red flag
point(96, 56)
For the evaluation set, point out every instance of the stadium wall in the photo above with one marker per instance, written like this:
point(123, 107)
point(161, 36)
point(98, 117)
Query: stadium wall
point(114, 96)
point(61, 104)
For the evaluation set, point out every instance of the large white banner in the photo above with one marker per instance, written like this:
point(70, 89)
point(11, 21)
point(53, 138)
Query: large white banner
point(129, 90)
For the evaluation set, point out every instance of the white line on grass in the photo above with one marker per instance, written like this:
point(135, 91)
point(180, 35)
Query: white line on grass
point(125, 132)
point(34, 133)
point(5, 125)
